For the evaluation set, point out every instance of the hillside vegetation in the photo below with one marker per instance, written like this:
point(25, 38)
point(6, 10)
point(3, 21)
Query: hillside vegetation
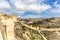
point(29, 29)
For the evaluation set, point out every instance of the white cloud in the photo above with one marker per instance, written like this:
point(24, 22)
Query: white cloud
point(32, 7)
point(20, 11)
point(2, 0)
point(25, 5)
point(32, 1)
point(29, 5)
point(4, 5)
point(56, 9)
point(28, 1)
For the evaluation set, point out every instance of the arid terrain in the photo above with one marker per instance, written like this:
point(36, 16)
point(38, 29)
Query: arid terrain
point(13, 28)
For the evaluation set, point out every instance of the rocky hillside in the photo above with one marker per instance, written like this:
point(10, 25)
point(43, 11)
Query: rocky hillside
point(13, 28)
point(45, 22)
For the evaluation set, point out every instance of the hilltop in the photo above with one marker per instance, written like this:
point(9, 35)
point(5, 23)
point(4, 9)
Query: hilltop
point(29, 29)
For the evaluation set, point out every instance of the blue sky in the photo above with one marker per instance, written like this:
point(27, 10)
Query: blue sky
point(31, 8)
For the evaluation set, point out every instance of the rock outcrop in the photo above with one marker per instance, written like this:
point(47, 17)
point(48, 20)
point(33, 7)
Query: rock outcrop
point(7, 23)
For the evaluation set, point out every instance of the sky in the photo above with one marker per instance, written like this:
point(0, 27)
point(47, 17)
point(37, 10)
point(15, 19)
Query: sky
point(31, 8)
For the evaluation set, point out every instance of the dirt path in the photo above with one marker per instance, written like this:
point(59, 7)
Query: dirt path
point(41, 29)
